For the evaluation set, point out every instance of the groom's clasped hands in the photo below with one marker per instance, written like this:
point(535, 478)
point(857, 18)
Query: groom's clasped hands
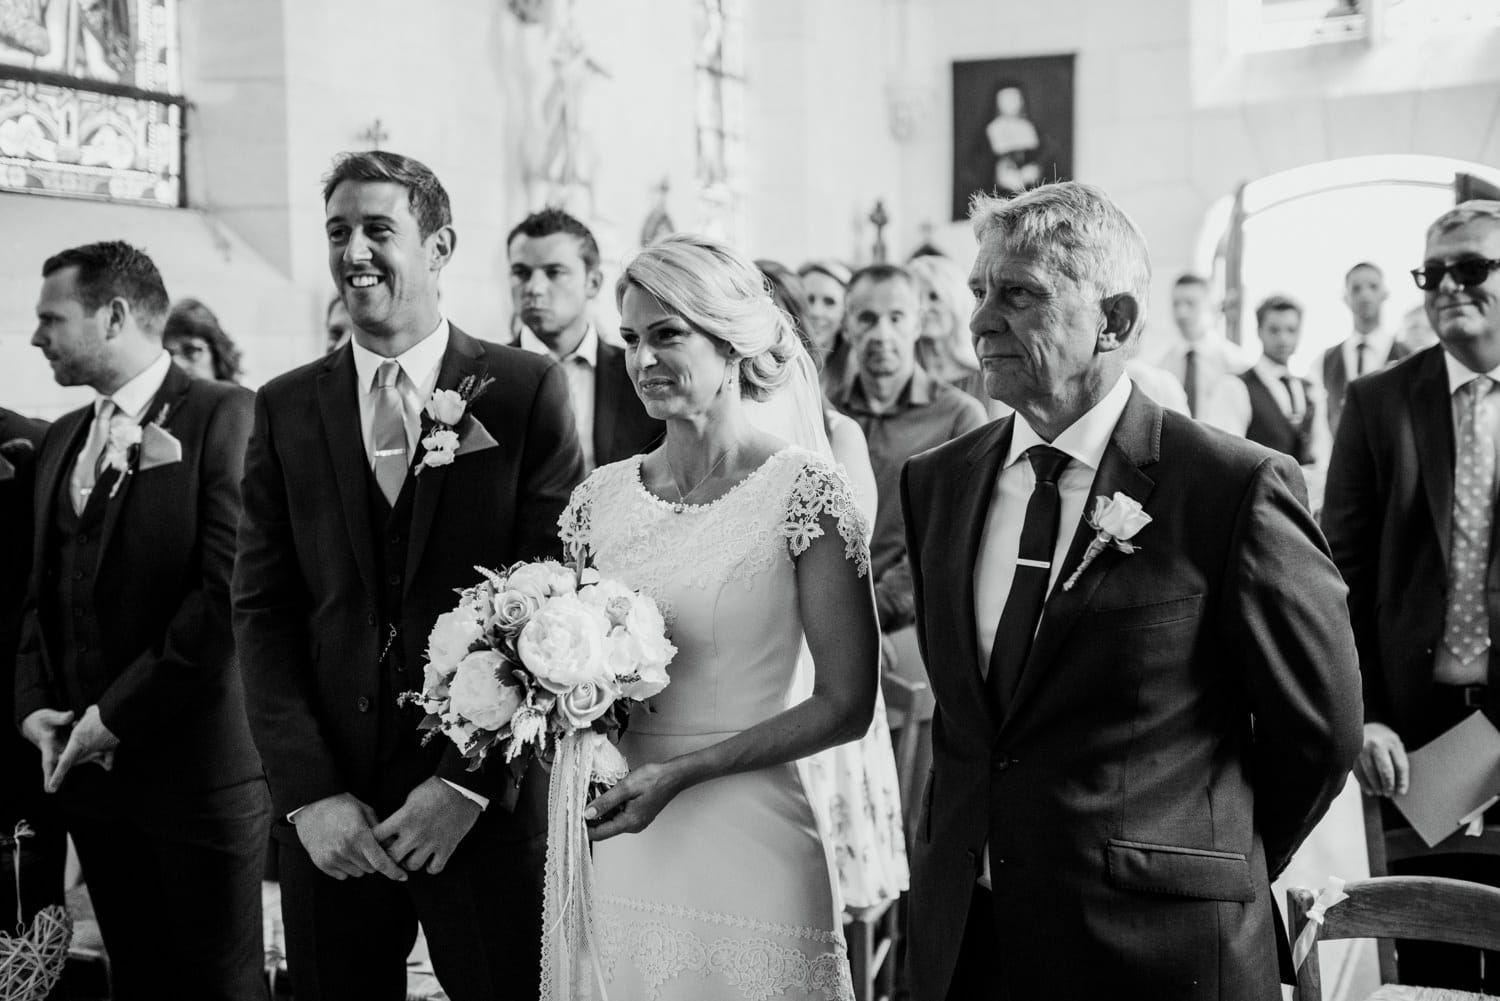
point(345, 838)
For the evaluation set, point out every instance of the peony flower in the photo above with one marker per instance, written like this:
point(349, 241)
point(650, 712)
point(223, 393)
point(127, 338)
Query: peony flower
point(446, 407)
point(435, 683)
point(644, 620)
point(542, 580)
point(586, 702)
point(611, 597)
point(452, 635)
point(640, 671)
point(563, 644)
point(1119, 517)
point(482, 692)
point(512, 610)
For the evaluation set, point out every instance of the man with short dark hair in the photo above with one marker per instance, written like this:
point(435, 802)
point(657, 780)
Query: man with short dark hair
point(351, 545)
point(1410, 515)
point(902, 411)
point(554, 274)
point(126, 679)
point(1268, 404)
point(1200, 357)
point(1370, 348)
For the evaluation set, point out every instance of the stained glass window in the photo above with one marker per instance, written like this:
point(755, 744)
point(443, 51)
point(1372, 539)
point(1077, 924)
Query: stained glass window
point(90, 99)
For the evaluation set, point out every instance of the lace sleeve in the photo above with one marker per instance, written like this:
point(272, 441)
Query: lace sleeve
point(575, 528)
point(820, 489)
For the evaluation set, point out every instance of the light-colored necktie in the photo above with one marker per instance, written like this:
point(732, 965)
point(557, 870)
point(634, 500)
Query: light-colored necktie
point(86, 468)
point(1466, 632)
point(389, 431)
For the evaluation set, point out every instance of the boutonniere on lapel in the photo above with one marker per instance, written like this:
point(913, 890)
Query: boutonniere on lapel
point(453, 431)
point(133, 446)
point(1115, 521)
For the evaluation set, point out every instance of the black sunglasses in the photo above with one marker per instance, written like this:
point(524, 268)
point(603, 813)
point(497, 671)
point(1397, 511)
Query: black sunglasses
point(1468, 272)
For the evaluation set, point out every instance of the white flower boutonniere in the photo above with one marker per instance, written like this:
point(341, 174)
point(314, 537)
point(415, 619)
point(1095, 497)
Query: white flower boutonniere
point(131, 446)
point(1115, 521)
point(446, 409)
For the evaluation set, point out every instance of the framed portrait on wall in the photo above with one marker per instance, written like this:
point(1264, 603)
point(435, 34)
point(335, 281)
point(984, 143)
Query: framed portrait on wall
point(1012, 125)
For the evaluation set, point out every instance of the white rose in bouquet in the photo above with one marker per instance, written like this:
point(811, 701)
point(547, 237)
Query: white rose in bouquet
point(639, 671)
point(586, 702)
point(512, 609)
point(611, 597)
point(483, 692)
point(452, 635)
point(563, 644)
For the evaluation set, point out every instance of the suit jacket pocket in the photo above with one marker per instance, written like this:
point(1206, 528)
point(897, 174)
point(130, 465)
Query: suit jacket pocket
point(1177, 871)
point(1155, 613)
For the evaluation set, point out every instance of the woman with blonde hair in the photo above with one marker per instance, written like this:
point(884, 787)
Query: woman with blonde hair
point(713, 879)
point(944, 348)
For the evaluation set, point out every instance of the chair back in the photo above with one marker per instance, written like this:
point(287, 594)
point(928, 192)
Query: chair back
point(910, 705)
point(1423, 908)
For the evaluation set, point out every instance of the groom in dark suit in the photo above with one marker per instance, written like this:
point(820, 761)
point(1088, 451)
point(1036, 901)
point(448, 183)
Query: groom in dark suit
point(1128, 745)
point(126, 677)
point(358, 528)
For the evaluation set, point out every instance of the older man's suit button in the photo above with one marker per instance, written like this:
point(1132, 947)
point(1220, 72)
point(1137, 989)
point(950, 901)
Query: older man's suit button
point(394, 579)
point(370, 619)
point(362, 704)
point(1002, 761)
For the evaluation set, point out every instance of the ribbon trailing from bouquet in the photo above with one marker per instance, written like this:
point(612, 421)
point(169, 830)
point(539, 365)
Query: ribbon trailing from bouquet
point(1308, 938)
point(568, 943)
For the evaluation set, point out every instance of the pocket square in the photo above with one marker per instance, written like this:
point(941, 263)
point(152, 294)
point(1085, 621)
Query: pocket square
point(158, 448)
point(473, 437)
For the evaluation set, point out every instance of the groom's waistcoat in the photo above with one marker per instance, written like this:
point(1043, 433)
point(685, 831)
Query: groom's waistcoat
point(390, 527)
point(69, 615)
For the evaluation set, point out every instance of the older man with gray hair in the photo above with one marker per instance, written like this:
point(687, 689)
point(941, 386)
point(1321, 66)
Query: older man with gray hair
point(1145, 677)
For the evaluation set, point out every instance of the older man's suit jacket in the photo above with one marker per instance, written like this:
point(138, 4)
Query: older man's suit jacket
point(1186, 714)
point(1388, 515)
point(306, 593)
point(164, 676)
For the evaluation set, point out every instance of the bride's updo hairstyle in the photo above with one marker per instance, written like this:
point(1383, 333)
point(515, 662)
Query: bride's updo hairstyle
point(723, 295)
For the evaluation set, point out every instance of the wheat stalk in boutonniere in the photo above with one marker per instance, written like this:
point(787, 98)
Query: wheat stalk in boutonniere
point(1115, 521)
point(446, 409)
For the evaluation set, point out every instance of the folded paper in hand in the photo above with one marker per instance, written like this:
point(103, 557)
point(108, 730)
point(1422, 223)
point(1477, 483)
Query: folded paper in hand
point(1452, 777)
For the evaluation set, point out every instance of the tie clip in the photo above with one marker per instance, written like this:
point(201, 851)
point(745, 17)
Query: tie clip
point(381, 453)
point(1034, 563)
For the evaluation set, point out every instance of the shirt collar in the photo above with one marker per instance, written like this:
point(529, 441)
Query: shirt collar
point(1085, 439)
point(916, 393)
point(419, 362)
point(587, 350)
point(1378, 340)
point(136, 395)
point(1460, 375)
point(1271, 370)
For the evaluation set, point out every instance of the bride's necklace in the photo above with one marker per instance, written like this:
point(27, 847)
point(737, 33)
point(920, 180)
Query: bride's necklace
point(682, 496)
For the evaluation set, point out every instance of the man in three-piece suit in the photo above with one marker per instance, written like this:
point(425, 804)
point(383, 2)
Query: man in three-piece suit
point(42, 855)
point(554, 274)
point(1410, 518)
point(126, 679)
point(359, 526)
point(1127, 746)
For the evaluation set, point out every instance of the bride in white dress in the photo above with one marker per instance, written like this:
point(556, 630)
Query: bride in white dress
point(712, 879)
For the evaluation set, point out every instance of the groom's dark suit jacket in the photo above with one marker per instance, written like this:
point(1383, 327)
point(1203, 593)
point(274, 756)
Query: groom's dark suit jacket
point(1186, 714)
point(313, 572)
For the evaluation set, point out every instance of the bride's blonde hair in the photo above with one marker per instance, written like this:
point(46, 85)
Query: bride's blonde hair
point(723, 295)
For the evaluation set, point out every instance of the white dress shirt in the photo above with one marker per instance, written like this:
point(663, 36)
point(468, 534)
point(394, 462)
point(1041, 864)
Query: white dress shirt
point(415, 382)
point(1216, 359)
point(1378, 344)
point(579, 366)
point(1000, 544)
point(1229, 406)
point(132, 399)
point(1447, 668)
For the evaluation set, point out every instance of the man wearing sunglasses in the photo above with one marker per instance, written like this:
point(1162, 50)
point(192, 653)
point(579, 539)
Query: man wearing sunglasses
point(1410, 516)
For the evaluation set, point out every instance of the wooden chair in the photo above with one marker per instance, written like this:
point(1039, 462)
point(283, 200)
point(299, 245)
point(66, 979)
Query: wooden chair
point(1425, 908)
point(1402, 843)
point(873, 932)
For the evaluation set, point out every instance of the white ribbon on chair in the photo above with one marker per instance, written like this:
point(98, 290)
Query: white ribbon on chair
point(568, 943)
point(1326, 898)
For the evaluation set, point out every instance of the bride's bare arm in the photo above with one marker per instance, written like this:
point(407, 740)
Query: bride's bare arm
point(838, 615)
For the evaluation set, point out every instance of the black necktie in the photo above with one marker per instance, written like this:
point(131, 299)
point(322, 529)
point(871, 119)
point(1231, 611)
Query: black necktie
point(1190, 381)
point(1293, 413)
point(1361, 349)
point(1028, 590)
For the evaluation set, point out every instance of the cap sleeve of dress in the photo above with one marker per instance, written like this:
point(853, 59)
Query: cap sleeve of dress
point(819, 489)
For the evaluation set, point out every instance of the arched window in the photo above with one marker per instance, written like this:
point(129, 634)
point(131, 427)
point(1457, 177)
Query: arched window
point(90, 100)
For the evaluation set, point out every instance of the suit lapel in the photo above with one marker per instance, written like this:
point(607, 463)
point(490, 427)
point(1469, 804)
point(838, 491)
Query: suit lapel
point(607, 387)
point(970, 512)
point(1136, 442)
point(338, 406)
point(173, 388)
point(53, 466)
point(464, 357)
point(1432, 425)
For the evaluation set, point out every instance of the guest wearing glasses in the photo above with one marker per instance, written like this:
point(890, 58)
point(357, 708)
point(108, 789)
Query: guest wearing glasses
point(1409, 516)
point(197, 343)
point(1370, 348)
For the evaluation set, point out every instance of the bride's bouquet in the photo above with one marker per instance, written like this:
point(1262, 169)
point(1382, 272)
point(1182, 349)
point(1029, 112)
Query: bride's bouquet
point(537, 653)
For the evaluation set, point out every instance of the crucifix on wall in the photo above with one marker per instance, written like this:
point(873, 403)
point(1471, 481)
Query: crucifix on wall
point(375, 135)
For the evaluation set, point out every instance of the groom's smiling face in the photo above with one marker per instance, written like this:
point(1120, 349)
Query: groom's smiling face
point(386, 270)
